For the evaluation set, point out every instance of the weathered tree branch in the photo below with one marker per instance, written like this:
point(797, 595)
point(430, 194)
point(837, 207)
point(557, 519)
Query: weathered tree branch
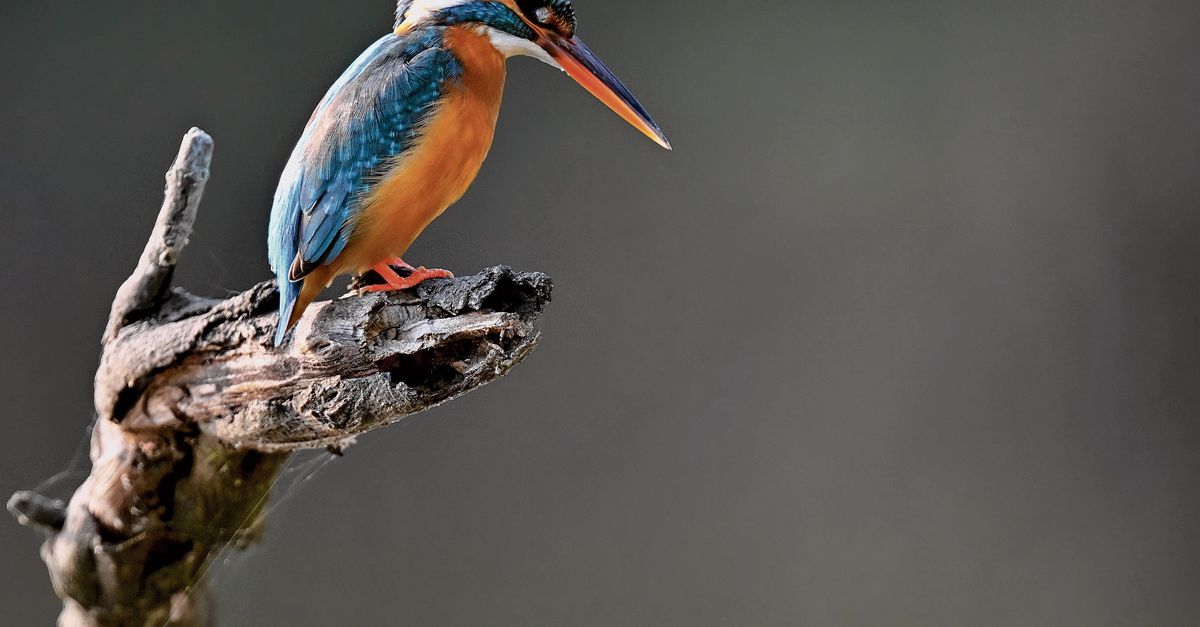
point(198, 411)
point(181, 200)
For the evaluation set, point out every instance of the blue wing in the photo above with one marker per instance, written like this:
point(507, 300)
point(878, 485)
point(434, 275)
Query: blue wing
point(373, 113)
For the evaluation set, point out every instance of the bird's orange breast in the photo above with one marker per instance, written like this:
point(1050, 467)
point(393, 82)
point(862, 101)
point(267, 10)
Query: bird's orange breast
point(440, 166)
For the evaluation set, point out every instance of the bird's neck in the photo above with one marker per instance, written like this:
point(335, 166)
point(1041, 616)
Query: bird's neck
point(482, 63)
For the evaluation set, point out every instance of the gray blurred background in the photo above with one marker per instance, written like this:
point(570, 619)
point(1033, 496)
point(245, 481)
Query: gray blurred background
point(904, 332)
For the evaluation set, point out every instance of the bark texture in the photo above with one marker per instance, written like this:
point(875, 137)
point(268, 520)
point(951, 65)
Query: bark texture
point(198, 411)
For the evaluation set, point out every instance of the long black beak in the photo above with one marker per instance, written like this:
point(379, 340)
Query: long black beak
point(588, 70)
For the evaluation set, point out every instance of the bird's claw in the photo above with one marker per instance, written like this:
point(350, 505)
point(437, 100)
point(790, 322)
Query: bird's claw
point(394, 282)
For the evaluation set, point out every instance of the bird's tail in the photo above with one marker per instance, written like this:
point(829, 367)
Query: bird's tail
point(294, 299)
point(289, 294)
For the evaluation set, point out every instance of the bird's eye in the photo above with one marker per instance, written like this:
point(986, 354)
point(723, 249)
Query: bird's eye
point(542, 14)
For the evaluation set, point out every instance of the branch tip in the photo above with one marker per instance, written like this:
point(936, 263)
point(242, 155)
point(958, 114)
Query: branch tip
point(34, 510)
point(150, 280)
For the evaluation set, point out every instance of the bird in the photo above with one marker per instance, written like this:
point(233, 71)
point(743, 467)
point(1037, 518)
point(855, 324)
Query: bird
point(402, 134)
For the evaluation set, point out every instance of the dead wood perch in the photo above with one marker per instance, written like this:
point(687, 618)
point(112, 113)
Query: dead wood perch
point(197, 412)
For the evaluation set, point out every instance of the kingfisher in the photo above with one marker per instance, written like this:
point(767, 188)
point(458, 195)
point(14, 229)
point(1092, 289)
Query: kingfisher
point(401, 135)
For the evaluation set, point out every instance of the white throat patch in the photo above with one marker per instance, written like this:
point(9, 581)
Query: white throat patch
point(511, 46)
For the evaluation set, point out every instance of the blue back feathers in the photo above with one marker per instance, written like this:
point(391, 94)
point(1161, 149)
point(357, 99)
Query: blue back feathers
point(372, 114)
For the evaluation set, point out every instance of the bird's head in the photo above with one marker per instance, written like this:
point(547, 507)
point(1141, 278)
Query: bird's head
point(544, 30)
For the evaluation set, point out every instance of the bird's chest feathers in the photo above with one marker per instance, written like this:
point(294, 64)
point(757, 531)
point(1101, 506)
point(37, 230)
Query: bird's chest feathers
point(437, 170)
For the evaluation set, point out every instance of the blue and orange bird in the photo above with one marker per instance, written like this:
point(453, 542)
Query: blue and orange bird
point(402, 134)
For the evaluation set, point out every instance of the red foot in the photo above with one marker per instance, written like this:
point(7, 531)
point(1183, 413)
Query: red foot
point(394, 282)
